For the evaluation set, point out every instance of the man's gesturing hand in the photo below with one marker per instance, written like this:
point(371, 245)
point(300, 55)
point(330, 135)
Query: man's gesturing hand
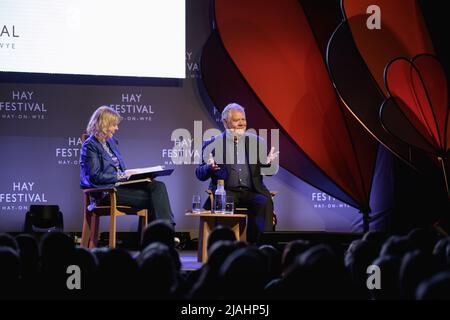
point(212, 164)
point(272, 155)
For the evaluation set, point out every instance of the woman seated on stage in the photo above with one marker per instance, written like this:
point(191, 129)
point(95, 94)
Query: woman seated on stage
point(102, 166)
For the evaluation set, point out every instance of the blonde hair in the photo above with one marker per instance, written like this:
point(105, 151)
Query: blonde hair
point(101, 120)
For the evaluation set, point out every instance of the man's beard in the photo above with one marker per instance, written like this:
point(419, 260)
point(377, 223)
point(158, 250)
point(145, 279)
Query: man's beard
point(237, 132)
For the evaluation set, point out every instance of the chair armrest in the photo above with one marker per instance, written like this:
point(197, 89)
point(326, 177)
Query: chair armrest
point(211, 197)
point(94, 190)
point(112, 196)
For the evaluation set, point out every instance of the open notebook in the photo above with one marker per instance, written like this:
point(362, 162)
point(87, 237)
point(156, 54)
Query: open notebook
point(146, 174)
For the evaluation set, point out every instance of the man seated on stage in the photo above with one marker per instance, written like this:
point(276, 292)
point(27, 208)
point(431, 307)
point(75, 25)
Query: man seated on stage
point(240, 167)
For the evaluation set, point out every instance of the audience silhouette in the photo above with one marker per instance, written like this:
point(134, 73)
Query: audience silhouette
point(413, 266)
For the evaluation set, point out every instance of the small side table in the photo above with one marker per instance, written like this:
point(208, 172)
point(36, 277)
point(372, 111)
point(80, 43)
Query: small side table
point(208, 221)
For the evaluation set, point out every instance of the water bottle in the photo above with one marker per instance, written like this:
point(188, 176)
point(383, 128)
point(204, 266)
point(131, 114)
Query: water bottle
point(220, 198)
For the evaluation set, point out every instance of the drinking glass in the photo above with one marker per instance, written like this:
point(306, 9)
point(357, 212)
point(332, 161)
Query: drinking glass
point(229, 205)
point(196, 203)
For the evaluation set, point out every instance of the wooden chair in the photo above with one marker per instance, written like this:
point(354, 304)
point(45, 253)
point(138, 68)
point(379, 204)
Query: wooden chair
point(93, 213)
point(245, 210)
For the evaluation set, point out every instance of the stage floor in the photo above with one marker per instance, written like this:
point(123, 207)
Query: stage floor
point(189, 260)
